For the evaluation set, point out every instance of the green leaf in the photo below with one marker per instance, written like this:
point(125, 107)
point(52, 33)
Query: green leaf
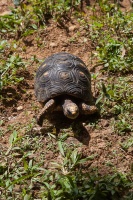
point(34, 26)
point(30, 163)
point(74, 156)
point(61, 148)
point(27, 197)
point(47, 185)
point(11, 139)
point(25, 164)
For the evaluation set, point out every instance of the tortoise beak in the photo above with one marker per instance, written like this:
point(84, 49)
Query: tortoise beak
point(72, 113)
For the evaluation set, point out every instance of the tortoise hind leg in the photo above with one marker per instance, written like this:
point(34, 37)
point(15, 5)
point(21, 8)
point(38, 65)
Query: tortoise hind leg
point(48, 107)
point(87, 109)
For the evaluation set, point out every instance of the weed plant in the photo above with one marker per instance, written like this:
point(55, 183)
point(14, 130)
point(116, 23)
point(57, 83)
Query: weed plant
point(33, 14)
point(9, 71)
point(111, 32)
point(21, 174)
point(111, 35)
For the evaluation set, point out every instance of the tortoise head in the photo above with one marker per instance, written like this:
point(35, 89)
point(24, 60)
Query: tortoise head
point(70, 109)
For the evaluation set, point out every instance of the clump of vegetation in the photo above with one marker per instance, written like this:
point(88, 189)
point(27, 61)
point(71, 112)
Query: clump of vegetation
point(111, 35)
point(11, 64)
point(10, 69)
point(115, 99)
point(64, 179)
point(29, 16)
point(111, 32)
point(128, 143)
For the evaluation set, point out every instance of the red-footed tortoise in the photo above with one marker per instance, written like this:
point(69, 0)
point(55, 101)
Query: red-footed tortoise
point(63, 82)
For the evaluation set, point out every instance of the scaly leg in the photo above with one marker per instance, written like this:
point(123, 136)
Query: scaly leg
point(48, 107)
point(87, 109)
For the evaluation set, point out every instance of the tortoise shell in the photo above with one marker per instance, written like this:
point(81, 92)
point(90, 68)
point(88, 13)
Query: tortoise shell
point(63, 74)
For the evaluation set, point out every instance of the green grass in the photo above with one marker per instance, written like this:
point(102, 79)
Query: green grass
point(10, 70)
point(25, 170)
point(65, 179)
point(112, 35)
point(115, 99)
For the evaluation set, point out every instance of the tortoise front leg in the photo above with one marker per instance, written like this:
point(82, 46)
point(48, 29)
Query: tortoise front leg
point(48, 107)
point(87, 109)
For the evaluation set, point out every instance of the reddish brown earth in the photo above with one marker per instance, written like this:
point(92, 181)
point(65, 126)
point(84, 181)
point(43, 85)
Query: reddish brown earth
point(19, 112)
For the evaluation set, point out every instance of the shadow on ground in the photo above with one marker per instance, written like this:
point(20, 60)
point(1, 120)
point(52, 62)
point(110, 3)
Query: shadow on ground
point(78, 126)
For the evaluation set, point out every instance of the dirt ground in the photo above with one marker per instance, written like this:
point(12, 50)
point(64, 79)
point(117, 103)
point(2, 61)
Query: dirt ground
point(102, 142)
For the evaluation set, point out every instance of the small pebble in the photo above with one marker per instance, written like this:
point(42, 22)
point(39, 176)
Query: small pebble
point(72, 28)
point(52, 44)
point(19, 108)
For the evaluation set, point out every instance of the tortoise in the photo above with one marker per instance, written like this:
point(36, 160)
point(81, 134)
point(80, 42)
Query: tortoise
point(63, 83)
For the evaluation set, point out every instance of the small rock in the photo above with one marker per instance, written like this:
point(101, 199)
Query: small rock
point(72, 28)
point(19, 108)
point(104, 123)
point(11, 118)
point(64, 44)
point(85, 40)
point(52, 44)
point(63, 49)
